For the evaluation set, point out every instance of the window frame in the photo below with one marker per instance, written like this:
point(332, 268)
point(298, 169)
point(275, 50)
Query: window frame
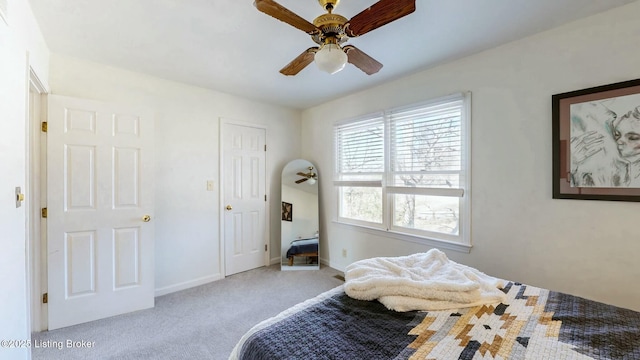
point(461, 241)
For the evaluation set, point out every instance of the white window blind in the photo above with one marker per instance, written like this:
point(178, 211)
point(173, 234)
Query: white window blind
point(426, 139)
point(360, 149)
point(426, 147)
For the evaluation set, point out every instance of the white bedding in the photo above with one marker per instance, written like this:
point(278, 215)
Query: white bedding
point(424, 281)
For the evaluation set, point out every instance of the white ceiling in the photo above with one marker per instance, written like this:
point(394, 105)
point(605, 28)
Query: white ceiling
point(229, 46)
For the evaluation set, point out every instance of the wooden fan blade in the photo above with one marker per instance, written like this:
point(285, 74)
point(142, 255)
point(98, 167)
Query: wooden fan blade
point(301, 180)
point(361, 60)
point(299, 63)
point(281, 13)
point(380, 13)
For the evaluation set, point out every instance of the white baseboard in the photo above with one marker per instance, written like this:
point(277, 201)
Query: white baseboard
point(187, 284)
point(274, 261)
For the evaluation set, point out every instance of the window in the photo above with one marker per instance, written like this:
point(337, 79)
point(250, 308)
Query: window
point(406, 170)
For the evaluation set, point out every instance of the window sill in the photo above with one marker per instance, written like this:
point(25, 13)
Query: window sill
point(441, 244)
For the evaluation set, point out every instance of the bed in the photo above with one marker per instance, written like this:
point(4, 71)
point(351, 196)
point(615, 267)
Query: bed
point(303, 248)
point(530, 323)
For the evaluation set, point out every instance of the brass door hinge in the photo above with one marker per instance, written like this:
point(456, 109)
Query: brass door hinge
point(45, 298)
point(265, 147)
point(265, 198)
point(265, 247)
point(43, 127)
point(43, 212)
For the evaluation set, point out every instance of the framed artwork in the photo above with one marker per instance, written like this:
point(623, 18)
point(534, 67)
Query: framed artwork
point(287, 211)
point(596, 143)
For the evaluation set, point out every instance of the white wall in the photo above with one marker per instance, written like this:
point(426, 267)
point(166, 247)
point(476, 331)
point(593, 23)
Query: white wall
point(187, 155)
point(588, 248)
point(21, 46)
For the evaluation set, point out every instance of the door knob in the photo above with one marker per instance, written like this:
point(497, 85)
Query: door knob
point(146, 218)
point(229, 207)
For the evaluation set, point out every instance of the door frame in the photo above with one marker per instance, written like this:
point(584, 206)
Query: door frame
point(267, 213)
point(35, 188)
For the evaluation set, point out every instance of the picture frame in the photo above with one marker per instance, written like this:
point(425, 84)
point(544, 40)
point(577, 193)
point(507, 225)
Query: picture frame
point(287, 211)
point(596, 143)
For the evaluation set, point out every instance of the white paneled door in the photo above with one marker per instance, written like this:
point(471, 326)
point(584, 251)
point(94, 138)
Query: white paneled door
point(243, 157)
point(100, 207)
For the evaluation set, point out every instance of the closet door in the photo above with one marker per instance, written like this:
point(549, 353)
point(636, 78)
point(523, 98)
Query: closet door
point(244, 184)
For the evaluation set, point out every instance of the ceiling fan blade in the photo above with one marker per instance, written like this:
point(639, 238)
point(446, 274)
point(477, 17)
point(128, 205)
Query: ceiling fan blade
point(378, 14)
point(299, 63)
point(361, 60)
point(301, 180)
point(281, 13)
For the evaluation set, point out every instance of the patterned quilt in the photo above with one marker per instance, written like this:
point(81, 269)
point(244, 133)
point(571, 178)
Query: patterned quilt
point(533, 323)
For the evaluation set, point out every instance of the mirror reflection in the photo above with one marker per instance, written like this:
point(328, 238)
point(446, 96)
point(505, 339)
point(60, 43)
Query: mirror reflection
point(300, 221)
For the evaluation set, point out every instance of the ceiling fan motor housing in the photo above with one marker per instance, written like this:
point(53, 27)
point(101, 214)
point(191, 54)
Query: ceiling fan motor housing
point(332, 27)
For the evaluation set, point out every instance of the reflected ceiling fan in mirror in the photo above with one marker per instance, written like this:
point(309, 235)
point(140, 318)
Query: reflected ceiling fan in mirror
point(331, 30)
point(310, 176)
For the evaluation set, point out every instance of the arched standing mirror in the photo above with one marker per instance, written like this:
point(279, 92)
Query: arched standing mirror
point(300, 222)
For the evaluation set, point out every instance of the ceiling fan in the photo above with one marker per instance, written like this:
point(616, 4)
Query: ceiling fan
point(310, 176)
point(331, 30)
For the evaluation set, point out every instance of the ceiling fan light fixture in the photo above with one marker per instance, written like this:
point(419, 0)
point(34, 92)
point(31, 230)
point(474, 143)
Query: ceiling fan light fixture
point(330, 58)
point(311, 181)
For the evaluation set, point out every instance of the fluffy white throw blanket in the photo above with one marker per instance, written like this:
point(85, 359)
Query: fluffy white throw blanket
point(424, 281)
